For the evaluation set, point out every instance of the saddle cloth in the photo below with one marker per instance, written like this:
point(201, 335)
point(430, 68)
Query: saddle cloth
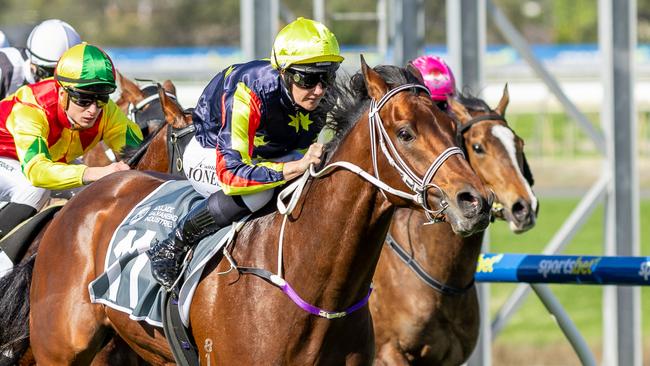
point(127, 284)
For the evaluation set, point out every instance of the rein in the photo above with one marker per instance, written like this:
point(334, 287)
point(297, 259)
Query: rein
point(293, 191)
point(135, 159)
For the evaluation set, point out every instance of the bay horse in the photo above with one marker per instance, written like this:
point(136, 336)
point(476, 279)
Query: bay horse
point(432, 317)
point(155, 155)
point(332, 241)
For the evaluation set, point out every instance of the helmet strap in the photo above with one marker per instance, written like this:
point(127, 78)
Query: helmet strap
point(73, 125)
point(287, 83)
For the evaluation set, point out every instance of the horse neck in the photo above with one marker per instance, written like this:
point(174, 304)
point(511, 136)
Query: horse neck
point(156, 158)
point(447, 257)
point(339, 230)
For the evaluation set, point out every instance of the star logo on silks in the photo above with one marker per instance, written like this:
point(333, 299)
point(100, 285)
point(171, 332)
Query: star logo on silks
point(230, 69)
point(259, 141)
point(300, 120)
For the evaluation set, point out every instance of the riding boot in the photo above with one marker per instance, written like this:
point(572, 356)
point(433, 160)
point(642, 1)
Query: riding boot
point(10, 216)
point(206, 218)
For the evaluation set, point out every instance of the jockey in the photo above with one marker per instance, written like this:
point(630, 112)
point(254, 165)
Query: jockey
point(438, 78)
point(45, 126)
point(46, 43)
point(256, 127)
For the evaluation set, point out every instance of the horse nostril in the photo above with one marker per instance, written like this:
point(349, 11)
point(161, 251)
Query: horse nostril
point(469, 203)
point(520, 210)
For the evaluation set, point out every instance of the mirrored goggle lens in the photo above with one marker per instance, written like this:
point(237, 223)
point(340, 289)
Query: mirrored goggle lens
point(85, 100)
point(310, 80)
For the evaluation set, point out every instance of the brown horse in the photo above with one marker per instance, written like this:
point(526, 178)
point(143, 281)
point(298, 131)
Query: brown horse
point(332, 243)
point(432, 317)
point(154, 157)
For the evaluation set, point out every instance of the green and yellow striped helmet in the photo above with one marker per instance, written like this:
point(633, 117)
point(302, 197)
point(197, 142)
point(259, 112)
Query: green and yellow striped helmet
point(86, 67)
point(304, 41)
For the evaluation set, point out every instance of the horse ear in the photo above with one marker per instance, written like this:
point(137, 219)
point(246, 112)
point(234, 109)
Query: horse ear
point(414, 70)
point(376, 86)
point(129, 90)
point(169, 87)
point(503, 103)
point(173, 113)
point(459, 110)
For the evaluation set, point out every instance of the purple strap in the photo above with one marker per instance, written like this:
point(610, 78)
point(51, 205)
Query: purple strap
point(289, 291)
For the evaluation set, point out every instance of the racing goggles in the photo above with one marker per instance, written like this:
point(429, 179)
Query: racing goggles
point(309, 80)
point(43, 72)
point(85, 99)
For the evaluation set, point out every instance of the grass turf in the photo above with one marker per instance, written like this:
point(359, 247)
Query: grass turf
point(532, 324)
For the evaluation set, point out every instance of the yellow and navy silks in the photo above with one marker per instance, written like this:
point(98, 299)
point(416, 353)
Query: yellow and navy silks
point(36, 131)
point(248, 116)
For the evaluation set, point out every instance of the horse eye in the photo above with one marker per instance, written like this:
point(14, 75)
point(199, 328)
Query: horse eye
point(478, 148)
point(405, 135)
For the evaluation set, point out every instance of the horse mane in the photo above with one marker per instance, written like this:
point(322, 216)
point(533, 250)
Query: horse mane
point(472, 103)
point(349, 98)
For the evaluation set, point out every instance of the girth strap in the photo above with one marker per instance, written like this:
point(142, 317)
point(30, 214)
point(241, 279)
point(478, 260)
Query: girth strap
point(291, 293)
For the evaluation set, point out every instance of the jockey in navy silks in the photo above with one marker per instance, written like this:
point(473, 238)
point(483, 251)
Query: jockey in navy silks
point(256, 128)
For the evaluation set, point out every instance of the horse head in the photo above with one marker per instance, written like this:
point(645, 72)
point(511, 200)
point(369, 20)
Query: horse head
point(143, 105)
point(413, 150)
point(161, 151)
point(496, 154)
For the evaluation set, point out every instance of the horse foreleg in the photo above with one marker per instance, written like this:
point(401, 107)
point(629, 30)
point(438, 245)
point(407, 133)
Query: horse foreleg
point(67, 337)
point(389, 354)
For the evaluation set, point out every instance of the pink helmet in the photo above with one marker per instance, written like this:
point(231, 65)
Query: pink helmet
point(437, 76)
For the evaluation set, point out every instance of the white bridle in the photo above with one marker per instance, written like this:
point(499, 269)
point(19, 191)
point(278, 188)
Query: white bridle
point(419, 186)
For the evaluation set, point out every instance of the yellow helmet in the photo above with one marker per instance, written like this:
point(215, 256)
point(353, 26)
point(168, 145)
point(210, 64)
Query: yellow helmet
point(86, 67)
point(304, 41)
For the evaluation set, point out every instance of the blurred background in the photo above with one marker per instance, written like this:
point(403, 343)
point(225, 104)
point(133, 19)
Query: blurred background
point(189, 41)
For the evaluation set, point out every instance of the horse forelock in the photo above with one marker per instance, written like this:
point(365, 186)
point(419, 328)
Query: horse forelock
point(349, 99)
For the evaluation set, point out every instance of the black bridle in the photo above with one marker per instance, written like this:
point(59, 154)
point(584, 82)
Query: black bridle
point(177, 138)
point(460, 137)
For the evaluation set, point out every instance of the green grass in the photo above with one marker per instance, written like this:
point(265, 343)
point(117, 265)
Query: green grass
point(532, 324)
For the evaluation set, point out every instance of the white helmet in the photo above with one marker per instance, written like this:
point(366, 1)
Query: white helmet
point(4, 42)
point(48, 41)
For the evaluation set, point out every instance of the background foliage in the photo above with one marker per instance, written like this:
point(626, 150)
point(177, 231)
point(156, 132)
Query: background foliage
point(114, 23)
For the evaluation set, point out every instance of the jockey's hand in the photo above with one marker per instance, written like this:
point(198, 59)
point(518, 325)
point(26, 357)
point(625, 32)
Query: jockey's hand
point(313, 155)
point(92, 174)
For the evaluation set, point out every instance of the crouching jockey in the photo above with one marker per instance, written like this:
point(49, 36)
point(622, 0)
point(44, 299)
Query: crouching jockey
point(256, 127)
point(45, 126)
